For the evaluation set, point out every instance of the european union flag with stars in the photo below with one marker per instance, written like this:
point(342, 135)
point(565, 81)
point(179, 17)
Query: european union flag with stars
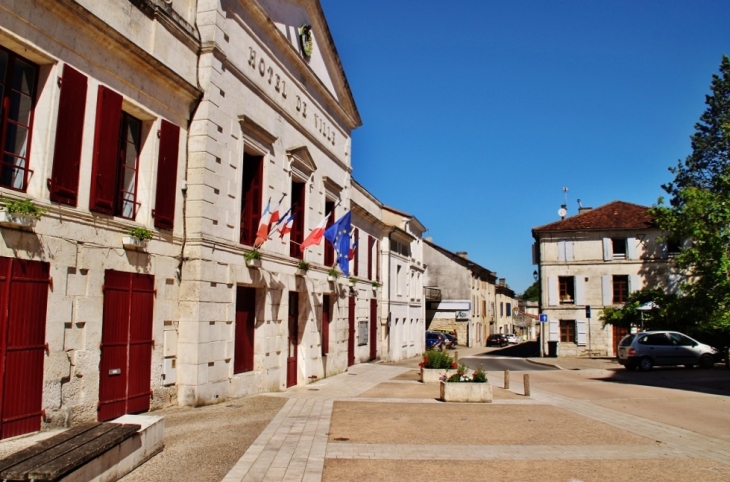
point(339, 235)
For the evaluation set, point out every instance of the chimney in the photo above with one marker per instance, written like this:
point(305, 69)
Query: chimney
point(581, 208)
point(501, 281)
point(462, 254)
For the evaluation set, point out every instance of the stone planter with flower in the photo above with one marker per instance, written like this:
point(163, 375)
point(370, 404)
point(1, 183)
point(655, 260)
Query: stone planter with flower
point(302, 268)
point(137, 239)
point(460, 387)
point(332, 275)
point(436, 364)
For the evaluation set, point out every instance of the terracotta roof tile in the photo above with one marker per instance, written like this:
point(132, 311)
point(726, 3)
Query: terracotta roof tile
point(614, 215)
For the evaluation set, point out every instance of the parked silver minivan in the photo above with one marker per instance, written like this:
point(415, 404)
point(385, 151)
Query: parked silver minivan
point(646, 349)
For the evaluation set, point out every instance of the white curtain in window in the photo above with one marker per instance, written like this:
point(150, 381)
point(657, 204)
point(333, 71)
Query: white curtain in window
point(607, 249)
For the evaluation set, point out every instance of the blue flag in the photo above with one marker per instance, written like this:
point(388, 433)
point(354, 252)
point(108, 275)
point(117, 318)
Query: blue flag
point(339, 235)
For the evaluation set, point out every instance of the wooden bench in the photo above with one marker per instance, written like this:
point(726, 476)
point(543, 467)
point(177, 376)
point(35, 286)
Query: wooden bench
point(57, 456)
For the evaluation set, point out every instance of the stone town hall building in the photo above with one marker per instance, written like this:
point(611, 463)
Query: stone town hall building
point(181, 119)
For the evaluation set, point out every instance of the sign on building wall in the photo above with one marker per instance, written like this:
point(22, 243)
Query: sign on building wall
point(462, 315)
point(362, 333)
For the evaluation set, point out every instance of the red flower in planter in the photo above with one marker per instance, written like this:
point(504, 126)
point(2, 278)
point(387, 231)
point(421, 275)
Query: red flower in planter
point(454, 365)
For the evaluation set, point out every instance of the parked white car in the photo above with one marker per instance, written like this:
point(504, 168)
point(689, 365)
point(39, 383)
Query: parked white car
point(512, 339)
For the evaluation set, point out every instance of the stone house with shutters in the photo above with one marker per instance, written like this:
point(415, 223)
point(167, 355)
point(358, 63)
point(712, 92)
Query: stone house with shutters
point(474, 302)
point(595, 259)
point(97, 100)
point(403, 277)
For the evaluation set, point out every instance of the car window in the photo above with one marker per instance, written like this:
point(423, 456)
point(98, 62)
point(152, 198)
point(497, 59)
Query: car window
point(656, 339)
point(681, 340)
point(627, 340)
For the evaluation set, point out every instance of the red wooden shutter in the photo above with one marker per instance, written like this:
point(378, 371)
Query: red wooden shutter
point(253, 174)
point(167, 176)
point(297, 231)
point(24, 298)
point(243, 349)
point(371, 243)
point(69, 136)
point(106, 151)
point(329, 250)
point(326, 307)
point(355, 253)
point(377, 260)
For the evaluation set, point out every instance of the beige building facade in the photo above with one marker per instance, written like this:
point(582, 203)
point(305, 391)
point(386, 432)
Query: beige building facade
point(100, 96)
point(596, 259)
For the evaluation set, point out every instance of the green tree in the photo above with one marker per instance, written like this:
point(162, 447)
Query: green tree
point(710, 147)
point(699, 211)
point(532, 293)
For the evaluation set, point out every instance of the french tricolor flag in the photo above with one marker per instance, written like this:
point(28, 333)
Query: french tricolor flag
point(315, 237)
point(286, 223)
point(263, 232)
point(353, 245)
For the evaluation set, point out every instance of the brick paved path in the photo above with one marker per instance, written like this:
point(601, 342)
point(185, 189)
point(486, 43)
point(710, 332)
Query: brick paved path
point(295, 445)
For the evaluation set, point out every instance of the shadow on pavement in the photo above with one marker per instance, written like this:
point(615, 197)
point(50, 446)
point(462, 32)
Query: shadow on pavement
point(715, 381)
point(523, 350)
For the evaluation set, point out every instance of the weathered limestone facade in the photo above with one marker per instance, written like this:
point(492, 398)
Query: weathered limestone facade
point(585, 260)
point(144, 54)
point(266, 101)
point(473, 301)
point(403, 282)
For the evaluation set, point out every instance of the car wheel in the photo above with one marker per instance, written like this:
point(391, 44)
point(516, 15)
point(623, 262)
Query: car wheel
point(706, 362)
point(630, 367)
point(646, 364)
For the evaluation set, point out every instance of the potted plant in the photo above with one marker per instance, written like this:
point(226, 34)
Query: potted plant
point(137, 238)
point(253, 258)
point(375, 285)
point(302, 268)
point(332, 274)
point(435, 365)
point(460, 387)
point(352, 281)
point(21, 212)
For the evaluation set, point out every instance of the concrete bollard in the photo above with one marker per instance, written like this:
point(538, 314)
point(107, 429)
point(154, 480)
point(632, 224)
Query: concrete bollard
point(456, 357)
point(506, 379)
point(526, 382)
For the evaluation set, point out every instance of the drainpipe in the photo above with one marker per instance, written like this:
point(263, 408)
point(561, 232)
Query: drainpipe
point(390, 287)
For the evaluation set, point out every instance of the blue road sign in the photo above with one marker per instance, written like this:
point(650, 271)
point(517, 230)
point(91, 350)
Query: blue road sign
point(543, 318)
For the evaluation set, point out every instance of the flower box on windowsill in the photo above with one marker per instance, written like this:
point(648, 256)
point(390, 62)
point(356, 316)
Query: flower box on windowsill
point(300, 272)
point(331, 279)
point(466, 392)
point(17, 220)
point(130, 242)
point(253, 263)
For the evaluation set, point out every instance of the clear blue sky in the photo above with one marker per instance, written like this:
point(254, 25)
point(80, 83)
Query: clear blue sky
point(477, 113)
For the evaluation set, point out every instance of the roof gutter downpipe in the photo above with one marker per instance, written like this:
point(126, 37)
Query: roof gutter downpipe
point(390, 290)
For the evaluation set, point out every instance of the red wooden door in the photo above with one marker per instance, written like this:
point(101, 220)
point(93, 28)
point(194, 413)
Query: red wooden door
point(351, 332)
point(23, 303)
point(373, 329)
point(245, 324)
point(618, 333)
point(126, 344)
point(293, 337)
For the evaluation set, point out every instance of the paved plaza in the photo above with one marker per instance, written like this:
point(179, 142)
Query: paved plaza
point(377, 422)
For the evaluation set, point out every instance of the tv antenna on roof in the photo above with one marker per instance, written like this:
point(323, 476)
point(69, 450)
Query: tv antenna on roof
point(563, 209)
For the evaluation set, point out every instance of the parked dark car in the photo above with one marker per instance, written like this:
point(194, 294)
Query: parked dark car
point(449, 339)
point(435, 341)
point(497, 339)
